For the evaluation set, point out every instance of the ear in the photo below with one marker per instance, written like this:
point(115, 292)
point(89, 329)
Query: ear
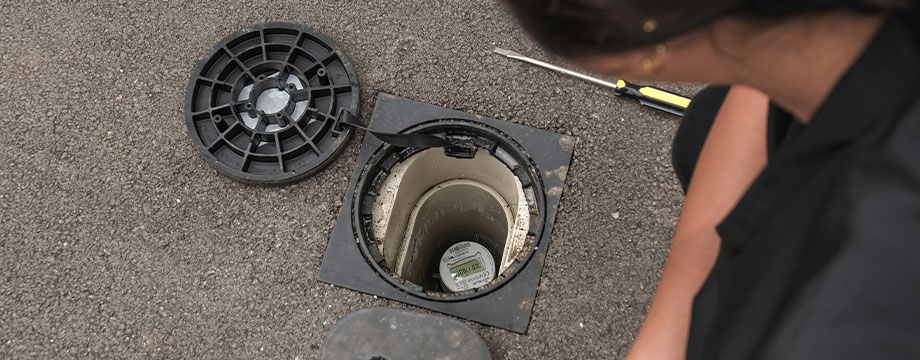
point(505, 6)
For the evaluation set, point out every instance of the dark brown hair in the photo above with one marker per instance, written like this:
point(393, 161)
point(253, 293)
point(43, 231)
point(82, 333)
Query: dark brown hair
point(585, 27)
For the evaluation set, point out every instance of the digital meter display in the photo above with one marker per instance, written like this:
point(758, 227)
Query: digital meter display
point(468, 268)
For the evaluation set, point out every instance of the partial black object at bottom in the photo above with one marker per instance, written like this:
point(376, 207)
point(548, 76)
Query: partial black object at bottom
point(382, 333)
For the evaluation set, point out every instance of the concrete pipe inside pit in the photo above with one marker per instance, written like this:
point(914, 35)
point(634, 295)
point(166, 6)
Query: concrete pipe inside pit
point(431, 201)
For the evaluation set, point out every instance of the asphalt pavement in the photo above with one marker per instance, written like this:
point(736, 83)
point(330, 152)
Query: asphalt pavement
point(117, 240)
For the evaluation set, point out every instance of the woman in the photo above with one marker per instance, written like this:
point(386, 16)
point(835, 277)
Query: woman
point(800, 235)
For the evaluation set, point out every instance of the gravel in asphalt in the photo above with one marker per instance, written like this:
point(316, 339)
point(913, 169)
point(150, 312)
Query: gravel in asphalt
point(118, 241)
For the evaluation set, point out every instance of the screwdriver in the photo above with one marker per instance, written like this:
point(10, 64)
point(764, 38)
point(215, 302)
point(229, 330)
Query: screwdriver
point(649, 96)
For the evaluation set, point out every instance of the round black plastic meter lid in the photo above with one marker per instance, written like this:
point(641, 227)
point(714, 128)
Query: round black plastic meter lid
point(264, 107)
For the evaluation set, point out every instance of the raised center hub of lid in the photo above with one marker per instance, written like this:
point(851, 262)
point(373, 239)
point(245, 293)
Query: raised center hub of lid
point(273, 101)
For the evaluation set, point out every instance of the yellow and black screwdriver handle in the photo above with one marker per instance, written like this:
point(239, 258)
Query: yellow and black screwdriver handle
point(654, 97)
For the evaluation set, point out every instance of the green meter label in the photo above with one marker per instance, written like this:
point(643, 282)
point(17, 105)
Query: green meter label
point(470, 267)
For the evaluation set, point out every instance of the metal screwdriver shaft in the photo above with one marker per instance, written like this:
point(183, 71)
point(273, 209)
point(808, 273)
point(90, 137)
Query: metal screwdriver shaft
point(516, 56)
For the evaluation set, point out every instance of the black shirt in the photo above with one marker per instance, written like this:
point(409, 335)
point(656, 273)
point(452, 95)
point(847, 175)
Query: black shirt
point(821, 257)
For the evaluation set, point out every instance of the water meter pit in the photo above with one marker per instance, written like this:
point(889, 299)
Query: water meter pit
point(461, 229)
point(450, 224)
